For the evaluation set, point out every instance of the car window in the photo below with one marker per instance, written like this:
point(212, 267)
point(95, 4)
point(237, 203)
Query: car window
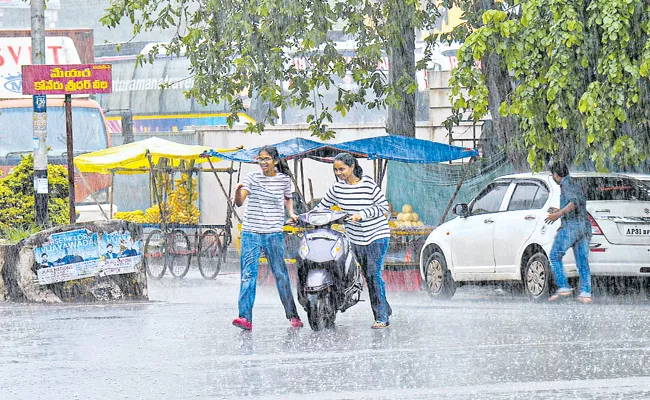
point(612, 188)
point(528, 196)
point(540, 197)
point(489, 200)
point(523, 196)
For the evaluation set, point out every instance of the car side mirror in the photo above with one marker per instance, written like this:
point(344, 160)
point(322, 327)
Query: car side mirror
point(462, 210)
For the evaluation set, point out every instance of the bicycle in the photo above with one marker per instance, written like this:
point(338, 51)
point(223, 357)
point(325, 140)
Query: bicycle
point(163, 251)
point(174, 250)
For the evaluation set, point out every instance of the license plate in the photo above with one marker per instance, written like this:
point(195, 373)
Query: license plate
point(637, 231)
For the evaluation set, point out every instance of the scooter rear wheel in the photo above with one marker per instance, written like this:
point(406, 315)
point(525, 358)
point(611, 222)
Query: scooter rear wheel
point(320, 310)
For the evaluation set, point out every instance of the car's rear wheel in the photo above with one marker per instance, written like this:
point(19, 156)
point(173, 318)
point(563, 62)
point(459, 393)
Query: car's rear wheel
point(537, 277)
point(437, 278)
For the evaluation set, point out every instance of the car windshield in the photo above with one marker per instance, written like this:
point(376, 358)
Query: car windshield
point(16, 130)
point(613, 188)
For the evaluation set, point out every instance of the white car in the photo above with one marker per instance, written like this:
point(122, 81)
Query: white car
point(644, 178)
point(502, 236)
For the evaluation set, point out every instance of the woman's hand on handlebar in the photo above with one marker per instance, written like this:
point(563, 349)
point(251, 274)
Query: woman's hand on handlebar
point(354, 218)
point(293, 219)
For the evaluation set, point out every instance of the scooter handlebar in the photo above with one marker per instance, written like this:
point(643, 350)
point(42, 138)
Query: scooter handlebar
point(319, 218)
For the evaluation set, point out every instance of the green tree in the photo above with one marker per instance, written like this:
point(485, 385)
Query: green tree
point(246, 47)
point(577, 77)
point(17, 196)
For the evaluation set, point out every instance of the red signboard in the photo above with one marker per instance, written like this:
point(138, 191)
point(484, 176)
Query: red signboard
point(67, 79)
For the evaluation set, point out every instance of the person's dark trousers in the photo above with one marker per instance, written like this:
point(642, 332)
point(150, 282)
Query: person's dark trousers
point(371, 258)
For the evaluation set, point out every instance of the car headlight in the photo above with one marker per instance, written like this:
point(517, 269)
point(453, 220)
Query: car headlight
point(304, 248)
point(337, 249)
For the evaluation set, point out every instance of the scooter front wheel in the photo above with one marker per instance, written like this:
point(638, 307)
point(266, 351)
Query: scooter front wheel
point(320, 310)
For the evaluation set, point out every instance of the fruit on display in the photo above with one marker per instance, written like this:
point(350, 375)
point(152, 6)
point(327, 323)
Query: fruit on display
point(407, 218)
point(181, 202)
point(179, 208)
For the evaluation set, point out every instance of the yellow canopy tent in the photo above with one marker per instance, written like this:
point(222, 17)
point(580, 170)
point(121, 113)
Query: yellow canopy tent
point(132, 158)
point(140, 157)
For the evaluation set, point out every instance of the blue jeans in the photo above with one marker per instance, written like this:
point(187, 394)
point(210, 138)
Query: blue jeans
point(273, 245)
point(371, 258)
point(565, 238)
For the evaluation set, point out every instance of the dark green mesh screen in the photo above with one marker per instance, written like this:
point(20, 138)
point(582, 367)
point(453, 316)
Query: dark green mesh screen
point(429, 187)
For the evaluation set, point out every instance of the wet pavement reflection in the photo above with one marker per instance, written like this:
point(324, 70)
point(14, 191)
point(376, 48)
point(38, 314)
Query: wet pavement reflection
point(486, 343)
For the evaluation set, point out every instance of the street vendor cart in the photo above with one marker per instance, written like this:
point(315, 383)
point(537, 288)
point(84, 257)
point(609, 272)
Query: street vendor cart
point(172, 230)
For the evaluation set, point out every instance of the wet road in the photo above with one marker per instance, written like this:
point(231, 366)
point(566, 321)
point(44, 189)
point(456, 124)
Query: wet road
point(484, 344)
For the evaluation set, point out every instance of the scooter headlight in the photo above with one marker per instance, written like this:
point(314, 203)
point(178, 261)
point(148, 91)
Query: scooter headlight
point(319, 219)
point(304, 248)
point(337, 249)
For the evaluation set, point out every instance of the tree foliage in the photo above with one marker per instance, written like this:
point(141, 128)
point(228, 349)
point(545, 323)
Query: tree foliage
point(246, 47)
point(17, 196)
point(579, 72)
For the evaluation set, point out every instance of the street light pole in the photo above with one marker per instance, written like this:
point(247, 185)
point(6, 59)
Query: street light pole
point(41, 196)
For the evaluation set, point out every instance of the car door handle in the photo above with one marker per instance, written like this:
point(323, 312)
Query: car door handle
point(529, 217)
point(488, 221)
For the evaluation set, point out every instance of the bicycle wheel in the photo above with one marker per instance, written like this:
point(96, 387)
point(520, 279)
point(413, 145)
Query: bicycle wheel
point(180, 253)
point(155, 254)
point(211, 254)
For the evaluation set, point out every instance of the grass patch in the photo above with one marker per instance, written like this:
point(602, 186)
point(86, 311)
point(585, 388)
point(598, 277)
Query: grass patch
point(13, 235)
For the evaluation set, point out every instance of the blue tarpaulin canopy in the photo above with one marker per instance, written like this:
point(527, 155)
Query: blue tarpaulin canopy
point(394, 148)
point(405, 149)
point(288, 149)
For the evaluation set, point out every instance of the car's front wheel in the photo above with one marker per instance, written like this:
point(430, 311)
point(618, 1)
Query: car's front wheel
point(537, 276)
point(437, 277)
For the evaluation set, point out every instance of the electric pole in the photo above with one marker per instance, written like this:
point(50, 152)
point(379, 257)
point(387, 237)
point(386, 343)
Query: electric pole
point(41, 196)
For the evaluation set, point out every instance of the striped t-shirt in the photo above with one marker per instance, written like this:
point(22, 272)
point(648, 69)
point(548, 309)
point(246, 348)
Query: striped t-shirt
point(367, 200)
point(265, 206)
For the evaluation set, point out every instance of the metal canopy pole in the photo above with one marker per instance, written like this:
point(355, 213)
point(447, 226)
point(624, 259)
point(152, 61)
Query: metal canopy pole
point(155, 191)
point(453, 197)
point(111, 198)
point(223, 189)
point(295, 181)
point(375, 170)
point(302, 180)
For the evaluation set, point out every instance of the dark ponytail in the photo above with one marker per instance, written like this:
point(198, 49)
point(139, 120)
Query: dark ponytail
point(347, 159)
point(280, 164)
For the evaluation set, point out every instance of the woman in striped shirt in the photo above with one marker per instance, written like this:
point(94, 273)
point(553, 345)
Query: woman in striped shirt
point(367, 228)
point(268, 192)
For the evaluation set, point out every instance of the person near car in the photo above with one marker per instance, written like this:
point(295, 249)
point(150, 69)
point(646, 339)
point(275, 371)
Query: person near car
point(367, 228)
point(574, 232)
point(268, 192)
